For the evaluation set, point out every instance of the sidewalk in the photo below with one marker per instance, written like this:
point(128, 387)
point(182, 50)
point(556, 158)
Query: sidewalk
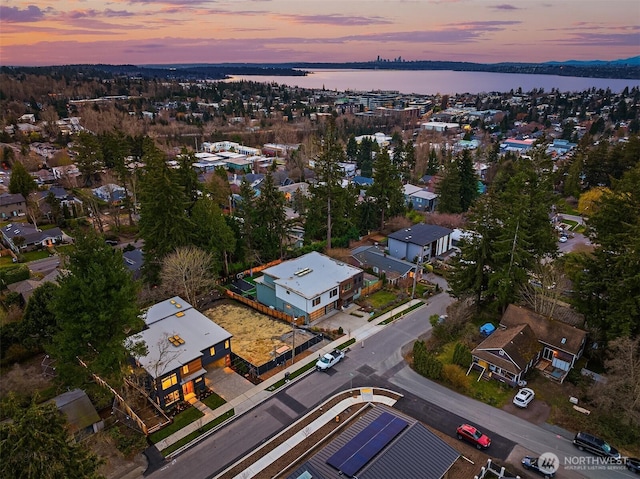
point(252, 398)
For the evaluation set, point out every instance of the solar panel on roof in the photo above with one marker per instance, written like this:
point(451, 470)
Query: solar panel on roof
point(350, 448)
point(366, 444)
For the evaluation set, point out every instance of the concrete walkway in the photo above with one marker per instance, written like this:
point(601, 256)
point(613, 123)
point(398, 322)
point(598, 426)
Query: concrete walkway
point(258, 394)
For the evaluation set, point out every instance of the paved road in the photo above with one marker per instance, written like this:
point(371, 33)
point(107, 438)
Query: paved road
point(376, 361)
point(46, 264)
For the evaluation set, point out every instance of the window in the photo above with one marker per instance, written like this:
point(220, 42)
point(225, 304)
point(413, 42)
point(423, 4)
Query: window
point(185, 370)
point(333, 293)
point(316, 301)
point(169, 381)
point(226, 344)
point(212, 350)
point(347, 287)
point(171, 398)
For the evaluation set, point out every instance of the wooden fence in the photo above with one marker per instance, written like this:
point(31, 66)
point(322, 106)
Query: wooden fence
point(367, 290)
point(274, 313)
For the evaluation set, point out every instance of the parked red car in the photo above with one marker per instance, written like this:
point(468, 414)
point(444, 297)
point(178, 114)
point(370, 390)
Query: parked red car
point(467, 432)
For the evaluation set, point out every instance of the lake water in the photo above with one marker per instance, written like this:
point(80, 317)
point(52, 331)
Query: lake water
point(431, 82)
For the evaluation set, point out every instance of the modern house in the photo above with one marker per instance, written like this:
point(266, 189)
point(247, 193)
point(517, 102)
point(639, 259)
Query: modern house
point(12, 205)
point(394, 270)
point(524, 340)
point(309, 286)
point(24, 237)
point(419, 241)
point(180, 342)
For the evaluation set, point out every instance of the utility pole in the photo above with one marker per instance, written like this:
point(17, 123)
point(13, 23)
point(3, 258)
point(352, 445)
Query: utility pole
point(415, 276)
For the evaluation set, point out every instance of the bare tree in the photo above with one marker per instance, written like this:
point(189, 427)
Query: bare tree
point(621, 391)
point(188, 272)
point(543, 292)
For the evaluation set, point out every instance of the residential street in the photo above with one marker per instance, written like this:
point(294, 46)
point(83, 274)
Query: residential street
point(376, 361)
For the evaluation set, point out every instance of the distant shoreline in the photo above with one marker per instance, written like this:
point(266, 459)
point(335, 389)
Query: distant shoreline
point(621, 69)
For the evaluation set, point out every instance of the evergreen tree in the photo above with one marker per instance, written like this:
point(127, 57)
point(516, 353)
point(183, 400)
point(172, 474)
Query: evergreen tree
point(608, 285)
point(329, 174)
point(468, 180)
point(34, 444)
point(433, 164)
point(164, 224)
point(386, 188)
point(271, 220)
point(38, 323)
point(89, 159)
point(95, 310)
point(352, 149)
point(247, 214)
point(448, 190)
point(212, 233)
point(21, 181)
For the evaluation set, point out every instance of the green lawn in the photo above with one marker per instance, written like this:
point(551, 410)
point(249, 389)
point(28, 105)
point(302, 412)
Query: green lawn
point(213, 401)
point(35, 255)
point(179, 421)
point(381, 298)
point(490, 392)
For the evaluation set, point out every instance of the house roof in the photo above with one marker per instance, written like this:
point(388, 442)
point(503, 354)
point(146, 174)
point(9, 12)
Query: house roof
point(415, 452)
point(170, 318)
point(427, 195)
point(372, 257)
point(78, 408)
point(7, 199)
point(421, 234)
point(410, 189)
point(320, 273)
point(518, 345)
point(30, 233)
point(554, 333)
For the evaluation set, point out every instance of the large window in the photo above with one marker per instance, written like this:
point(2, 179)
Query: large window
point(169, 381)
point(171, 398)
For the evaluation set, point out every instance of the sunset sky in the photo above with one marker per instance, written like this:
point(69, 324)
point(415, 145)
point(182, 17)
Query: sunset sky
point(54, 32)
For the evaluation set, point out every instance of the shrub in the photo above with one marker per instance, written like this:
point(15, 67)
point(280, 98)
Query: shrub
point(425, 362)
point(461, 355)
point(455, 376)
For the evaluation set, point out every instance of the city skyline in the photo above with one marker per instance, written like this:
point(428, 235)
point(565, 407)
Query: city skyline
point(276, 31)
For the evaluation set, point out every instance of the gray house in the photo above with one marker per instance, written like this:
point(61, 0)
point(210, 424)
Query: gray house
point(419, 241)
point(371, 257)
point(25, 236)
point(309, 286)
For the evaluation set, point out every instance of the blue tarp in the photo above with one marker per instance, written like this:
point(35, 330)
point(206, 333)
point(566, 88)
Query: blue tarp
point(487, 328)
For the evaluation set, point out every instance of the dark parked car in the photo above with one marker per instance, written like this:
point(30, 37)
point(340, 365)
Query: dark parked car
point(595, 445)
point(470, 434)
point(531, 463)
point(633, 464)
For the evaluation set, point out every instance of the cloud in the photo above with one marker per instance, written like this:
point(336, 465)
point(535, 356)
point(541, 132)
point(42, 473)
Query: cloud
point(505, 6)
point(590, 38)
point(336, 19)
point(32, 13)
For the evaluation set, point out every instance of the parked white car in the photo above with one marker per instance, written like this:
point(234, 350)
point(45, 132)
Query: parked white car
point(524, 397)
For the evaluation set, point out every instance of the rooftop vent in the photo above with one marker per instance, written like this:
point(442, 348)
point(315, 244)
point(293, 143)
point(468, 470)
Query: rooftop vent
point(176, 340)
